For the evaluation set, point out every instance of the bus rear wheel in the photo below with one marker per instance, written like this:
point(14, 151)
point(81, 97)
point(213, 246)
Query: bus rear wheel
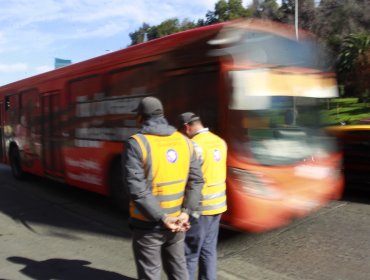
point(16, 163)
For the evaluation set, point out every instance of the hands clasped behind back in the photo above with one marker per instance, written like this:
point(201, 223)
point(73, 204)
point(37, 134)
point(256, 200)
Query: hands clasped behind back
point(177, 224)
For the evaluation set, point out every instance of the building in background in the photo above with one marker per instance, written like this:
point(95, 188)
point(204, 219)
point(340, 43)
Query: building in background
point(61, 62)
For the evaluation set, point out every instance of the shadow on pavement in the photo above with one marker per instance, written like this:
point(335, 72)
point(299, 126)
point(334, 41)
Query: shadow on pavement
point(64, 269)
point(357, 194)
point(357, 187)
point(41, 201)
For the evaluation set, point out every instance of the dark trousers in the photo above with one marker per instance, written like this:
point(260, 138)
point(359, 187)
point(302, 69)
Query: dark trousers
point(201, 247)
point(151, 248)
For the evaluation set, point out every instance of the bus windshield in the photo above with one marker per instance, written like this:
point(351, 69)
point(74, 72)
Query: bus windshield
point(285, 132)
point(263, 48)
point(278, 87)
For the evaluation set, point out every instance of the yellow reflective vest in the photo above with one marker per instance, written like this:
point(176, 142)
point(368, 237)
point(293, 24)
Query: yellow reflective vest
point(213, 153)
point(166, 162)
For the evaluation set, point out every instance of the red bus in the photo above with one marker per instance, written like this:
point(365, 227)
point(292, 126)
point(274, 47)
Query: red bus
point(251, 82)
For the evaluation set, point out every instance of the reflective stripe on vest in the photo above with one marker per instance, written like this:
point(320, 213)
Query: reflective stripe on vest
point(166, 162)
point(214, 152)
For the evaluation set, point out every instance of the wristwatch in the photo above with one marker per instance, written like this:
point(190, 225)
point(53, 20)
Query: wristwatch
point(186, 210)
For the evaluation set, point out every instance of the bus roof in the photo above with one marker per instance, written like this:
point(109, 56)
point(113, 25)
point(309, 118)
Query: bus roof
point(154, 48)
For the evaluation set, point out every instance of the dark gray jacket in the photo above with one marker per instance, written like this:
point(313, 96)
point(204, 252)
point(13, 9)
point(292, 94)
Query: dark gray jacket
point(140, 187)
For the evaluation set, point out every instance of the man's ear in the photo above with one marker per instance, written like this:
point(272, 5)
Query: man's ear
point(187, 129)
point(139, 119)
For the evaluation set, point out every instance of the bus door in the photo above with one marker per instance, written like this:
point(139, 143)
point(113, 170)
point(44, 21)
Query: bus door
point(51, 135)
point(2, 132)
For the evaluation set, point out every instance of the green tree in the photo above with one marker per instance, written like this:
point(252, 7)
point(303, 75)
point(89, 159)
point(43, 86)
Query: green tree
point(287, 10)
point(306, 14)
point(353, 64)
point(226, 10)
point(140, 35)
point(219, 14)
point(335, 19)
point(354, 50)
point(188, 24)
point(268, 9)
point(166, 27)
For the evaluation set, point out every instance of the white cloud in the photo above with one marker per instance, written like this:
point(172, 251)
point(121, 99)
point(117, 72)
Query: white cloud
point(34, 32)
point(89, 18)
point(43, 69)
point(106, 30)
point(12, 68)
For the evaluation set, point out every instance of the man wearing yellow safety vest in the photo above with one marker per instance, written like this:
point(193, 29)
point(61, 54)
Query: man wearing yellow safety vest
point(201, 238)
point(164, 181)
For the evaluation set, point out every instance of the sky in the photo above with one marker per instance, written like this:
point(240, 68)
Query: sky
point(34, 33)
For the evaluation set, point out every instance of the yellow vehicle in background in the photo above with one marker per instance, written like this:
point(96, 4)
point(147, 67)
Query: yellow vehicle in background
point(354, 140)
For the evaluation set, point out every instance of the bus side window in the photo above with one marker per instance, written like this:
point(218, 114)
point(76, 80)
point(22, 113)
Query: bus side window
point(196, 91)
point(30, 110)
point(132, 81)
point(13, 108)
point(87, 94)
point(125, 86)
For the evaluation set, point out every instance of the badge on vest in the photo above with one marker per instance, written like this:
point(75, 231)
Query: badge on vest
point(217, 155)
point(171, 156)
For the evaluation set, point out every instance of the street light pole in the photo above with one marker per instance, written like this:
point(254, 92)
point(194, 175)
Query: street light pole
point(296, 19)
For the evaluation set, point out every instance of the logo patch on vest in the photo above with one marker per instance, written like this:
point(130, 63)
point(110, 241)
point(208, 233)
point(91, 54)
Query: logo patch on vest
point(171, 156)
point(217, 155)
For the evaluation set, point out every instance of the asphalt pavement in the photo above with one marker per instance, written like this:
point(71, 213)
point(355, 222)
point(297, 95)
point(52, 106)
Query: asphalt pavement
point(52, 231)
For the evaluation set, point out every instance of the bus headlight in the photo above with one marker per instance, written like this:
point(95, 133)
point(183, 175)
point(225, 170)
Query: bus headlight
point(254, 184)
